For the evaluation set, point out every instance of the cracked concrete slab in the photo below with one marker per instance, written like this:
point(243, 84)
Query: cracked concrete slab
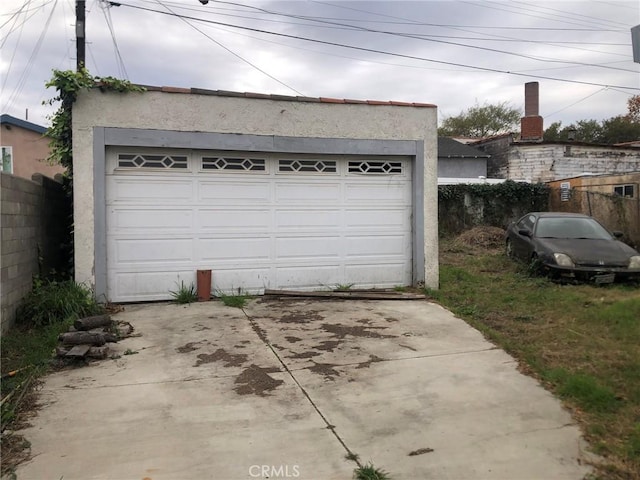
point(293, 386)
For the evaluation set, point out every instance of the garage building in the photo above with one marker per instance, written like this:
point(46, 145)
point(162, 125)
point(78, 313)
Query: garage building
point(266, 191)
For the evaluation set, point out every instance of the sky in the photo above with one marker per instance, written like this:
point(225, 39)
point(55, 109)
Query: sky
point(454, 54)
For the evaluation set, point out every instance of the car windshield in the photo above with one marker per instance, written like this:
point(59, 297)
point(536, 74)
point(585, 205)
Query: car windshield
point(571, 227)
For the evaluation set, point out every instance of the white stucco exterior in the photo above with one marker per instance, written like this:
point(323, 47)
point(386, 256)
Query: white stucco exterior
point(189, 112)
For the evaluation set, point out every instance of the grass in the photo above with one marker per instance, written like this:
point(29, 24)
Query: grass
point(581, 341)
point(27, 349)
point(236, 300)
point(185, 293)
point(343, 287)
point(369, 472)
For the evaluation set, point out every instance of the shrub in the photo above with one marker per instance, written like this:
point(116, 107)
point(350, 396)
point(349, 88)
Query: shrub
point(52, 301)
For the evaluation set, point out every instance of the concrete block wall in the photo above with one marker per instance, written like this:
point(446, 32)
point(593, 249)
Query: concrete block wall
point(33, 219)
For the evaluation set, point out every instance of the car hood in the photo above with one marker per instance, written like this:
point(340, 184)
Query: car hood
point(590, 252)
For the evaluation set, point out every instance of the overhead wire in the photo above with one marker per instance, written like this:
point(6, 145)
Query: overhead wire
point(420, 37)
point(381, 52)
point(106, 12)
point(492, 27)
point(25, 73)
point(575, 103)
point(184, 19)
point(15, 50)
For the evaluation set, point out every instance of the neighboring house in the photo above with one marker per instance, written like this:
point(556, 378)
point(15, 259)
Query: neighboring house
point(25, 148)
point(528, 157)
point(459, 161)
point(624, 185)
point(595, 195)
point(267, 191)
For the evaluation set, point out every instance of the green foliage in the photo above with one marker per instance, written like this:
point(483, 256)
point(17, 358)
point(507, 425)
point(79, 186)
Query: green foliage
point(584, 390)
point(618, 129)
point(236, 300)
point(481, 121)
point(51, 301)
point(369, 472)
point(184, 293)
point(68, 83)
point(464, 205)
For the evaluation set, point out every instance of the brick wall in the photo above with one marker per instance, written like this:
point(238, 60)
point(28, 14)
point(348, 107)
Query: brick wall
point(34, 219)
point(547, 161)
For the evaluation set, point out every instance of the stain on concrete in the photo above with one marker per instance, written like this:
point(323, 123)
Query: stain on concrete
point(325, 369)
point(255, 380)
point(327, 345)
point(372, 359)
point(262, 335)
point(198, 327)
point(304, 355)
point(221, 355)
point(301, 317)
point(391, 319)
point(189, 347)
point(341, 331)
point(291, 339)
point(420, 451)
point(365, 321)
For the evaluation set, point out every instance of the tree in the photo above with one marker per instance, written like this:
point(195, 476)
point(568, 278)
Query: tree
point(619, 129)
point(481, 121)
point(633, 106)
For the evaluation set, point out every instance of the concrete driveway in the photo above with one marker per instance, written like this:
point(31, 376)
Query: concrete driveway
point(289, 388)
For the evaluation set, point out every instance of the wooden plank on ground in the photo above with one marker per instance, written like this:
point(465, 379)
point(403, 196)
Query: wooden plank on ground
point(349, 294)
point(78, 351)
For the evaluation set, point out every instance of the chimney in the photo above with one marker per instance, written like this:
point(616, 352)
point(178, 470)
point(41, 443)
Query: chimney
point(531, 128)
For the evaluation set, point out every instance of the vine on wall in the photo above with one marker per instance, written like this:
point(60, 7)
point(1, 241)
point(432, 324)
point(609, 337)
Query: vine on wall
point(466, 205)
point(68, 83)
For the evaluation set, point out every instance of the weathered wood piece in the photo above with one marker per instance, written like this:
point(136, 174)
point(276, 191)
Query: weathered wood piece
point(350, 294)
point(79, 338)
point(96, 321)
point(98, 352)
point(78, 351)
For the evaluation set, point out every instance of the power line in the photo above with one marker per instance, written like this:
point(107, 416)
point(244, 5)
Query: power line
point(105, 7)
point(420, 37)
point(575, 103)
point(184, 19)
point(494, 27)
point(36, 49)
point(381, 52)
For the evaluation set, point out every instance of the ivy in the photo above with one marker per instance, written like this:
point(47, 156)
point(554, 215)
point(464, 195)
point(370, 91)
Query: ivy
point(68, 84)
point(464, 205)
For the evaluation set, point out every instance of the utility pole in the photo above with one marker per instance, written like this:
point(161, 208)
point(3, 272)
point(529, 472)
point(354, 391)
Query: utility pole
point(80, 34)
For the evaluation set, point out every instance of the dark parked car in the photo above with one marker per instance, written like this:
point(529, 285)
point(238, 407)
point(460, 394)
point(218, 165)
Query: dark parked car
point(571, 245)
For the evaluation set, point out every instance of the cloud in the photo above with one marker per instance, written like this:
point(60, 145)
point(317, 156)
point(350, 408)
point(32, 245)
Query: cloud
point(160, 49)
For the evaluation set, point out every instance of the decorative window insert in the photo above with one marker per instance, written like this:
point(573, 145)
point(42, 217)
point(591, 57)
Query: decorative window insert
point(233, 163)
point(623, 190)
point(307, 166)
point(375, 167)
point(565, 191)
point(130, 160)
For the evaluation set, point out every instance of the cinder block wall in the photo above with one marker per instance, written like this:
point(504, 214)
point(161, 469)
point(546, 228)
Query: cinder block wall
point(34, 219)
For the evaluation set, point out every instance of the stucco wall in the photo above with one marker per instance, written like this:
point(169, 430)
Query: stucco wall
point(30, 151)
point(208, 113)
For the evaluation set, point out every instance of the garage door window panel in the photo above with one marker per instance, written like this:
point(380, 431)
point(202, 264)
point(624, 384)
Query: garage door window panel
point(154, 162)
point(307, 166)
point(234, 164)
point(375, 167)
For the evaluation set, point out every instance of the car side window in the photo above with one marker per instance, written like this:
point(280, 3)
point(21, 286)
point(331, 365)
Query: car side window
point(526, 223)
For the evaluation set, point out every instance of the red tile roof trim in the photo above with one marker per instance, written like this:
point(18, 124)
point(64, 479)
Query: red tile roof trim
point(262, 96)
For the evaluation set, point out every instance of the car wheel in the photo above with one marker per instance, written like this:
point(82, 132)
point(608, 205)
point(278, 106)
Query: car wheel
point(509, 249)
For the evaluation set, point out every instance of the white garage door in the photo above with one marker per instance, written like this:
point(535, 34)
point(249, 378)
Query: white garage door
point(257, 221)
